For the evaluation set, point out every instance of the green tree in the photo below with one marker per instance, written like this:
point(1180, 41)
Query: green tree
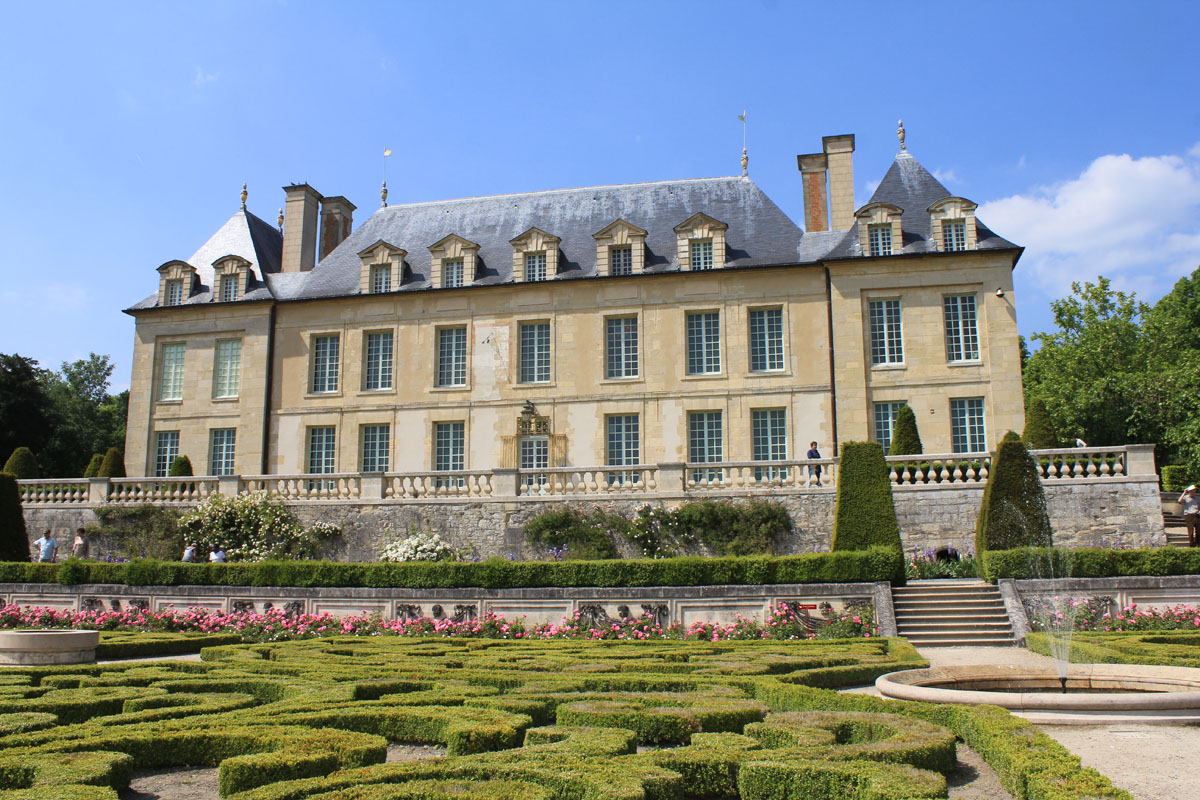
point(113, 465)
point(1039, 430)
point(1013, 510)
point(906, 441)
point(14, 541)
point(22, 464)
point(24, 421)
point(865, 514)
point(1168, 401)
point(84, 418)
point(181, 467)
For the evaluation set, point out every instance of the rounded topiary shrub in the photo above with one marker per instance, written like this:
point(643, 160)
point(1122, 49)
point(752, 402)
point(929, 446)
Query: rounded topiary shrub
point(22, 464)
point(113, 465)
point(181, 467)
point(905, 439)
point(1039, 430)
point(14, 542)
point(93, 467)
point(1013, 511)
point(865, 515)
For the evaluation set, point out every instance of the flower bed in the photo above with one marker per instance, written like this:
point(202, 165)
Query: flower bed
point(1094, 614)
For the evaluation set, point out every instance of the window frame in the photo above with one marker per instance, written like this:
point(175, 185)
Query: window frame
point(228, 286)
point(954, 235)
point(163, 457)
point(885, 336)
point(380, 277)
point(893, 408)
point(623, 431)
point(374, 447)
point(173, 292)
point(332, 365)
point(537, 446)
point(224, 463)
point(706, 341)
point(453, 272)
point(876, 234)
point(963, 430)
point(772, 344)
point(624, 268)
point(447, 372)
point(536, 363)
point(958, 339)
point(449, 452)
point(328, 455)
point(176, 374)
point(382, 374)
point(769, 441)
point(626, 358)
point(535, 258)
point(227, 370)
point(700, 251)
point(700, 431)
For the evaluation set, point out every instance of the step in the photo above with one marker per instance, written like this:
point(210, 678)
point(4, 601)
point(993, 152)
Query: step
point(956, 597)
point(904, 620)
point(1001, 628)
point(957, 602)
point(963, 642)
point(943, 636)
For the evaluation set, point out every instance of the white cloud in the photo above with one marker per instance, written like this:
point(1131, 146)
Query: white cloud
point(1021, 162)
point(946, 176)
point(1134, 220)
point(201, 77)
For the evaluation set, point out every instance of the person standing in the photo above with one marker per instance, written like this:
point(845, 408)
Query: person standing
point(47, 546)
point(216, 555)
point(189, 553)
point(1191, 514)
point(79, 548)
point(814, 470)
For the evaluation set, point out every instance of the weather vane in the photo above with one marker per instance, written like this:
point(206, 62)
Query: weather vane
point(745, 159)
point(383, 191)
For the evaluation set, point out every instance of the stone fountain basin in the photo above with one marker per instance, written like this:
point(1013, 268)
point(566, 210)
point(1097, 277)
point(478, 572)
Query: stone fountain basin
point(1118, 689)
point(48, 647)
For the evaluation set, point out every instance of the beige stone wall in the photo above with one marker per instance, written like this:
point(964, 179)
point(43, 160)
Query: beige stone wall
point(926, 380)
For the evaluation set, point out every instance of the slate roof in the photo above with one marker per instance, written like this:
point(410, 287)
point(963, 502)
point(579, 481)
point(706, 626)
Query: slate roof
point(910, 186)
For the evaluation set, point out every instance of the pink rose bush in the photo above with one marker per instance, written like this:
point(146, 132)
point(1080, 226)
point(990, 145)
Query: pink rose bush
point(1097, 614)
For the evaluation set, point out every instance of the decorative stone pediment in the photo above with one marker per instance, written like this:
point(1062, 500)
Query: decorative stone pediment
point(950, 210)
point(453, 248)
point(180, 275)
point(620, 234)
point(700, 228)
point(531, 242)
point(381, 256)
point(231, 268)
point(881, 214)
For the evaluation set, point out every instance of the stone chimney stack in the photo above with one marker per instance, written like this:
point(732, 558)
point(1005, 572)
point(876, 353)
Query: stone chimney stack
point(839, 150)
point(300, 228)
point(816, 202)
point(337, 218)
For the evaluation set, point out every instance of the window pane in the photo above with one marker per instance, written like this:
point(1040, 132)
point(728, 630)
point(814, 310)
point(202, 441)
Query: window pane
point(535, 266)
point(452, 273)
point(378, 374)
point(887, 341)
point(227, 382)
point(623, 439)
point(705, 437)
point(166, 450)
point(885, 422)
point(171, 379)
point(620, 260)
point(621, 343)
point(452, 357)
point(322, 450)
point(376, 445)
point(174, 292)
point(967, 431)
point(880, 239)
point(766, 340)
point(768, 434)
point(535, 352)
point(222, 445)
point(701, 254)
point(381, 278)
point(962, 335)
point(954, 235)
point(704, 343)
point(448, 447)
point(325, 363)
point(535, 454)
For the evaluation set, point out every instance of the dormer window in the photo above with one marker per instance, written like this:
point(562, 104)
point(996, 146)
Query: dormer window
point(879, 231)
point(952, 224)
point(231, 276)
point(174, 293)
point(535, 255)
point(382, 268)
point(176, 282)
point(229, 288)
point(452, 273)
point(620, 249)
point(701, 242)
point(454, 262)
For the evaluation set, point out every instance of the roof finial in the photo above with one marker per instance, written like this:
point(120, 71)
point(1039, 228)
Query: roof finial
point(900, 134)
point(245, 194)
point(745, 158)
point(383, 196)
point(279, 221)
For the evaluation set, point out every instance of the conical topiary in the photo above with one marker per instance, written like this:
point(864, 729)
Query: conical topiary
point(1039, 430)
point(181, 467)
point(905, 439)
point(1013, 511)
point(113, 465)
point(865, 515)
point(93, 467)
point(22, 464)
point(14, 542)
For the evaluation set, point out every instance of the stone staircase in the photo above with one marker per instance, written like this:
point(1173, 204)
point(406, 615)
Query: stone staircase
point(1177, 535)
point(951, 613)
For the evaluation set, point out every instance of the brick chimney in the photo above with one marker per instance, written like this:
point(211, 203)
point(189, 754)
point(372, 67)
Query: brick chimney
point(839, 150)
point(816, 203)
point(337, 218)
point(300, 228)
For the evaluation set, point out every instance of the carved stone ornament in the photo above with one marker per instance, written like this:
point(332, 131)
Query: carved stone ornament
point(408, 611)
point(465, 612)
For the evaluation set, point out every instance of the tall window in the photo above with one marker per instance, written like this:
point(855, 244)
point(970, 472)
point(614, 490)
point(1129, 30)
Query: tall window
point(881, 239)
point(448, 446)
point(452, 273)
point(967, 432)
point(376, 444)
point(228, 378)
point(325, 350)
point(620, 260)
point(885, 422)
point(166, 450)
point(535, 352)
point(378, 373)
point(229, 288)
point(887, 340)
point(621, 347)
point(766, 340)
point(768, 436)
point(170, 386)
point(705, 437)
point(322, 455)
point(174, 292)
point(535, 266)
point(623, 437)
point(452, 357)
point(535, 455)
point(704, 343)
point(700, 254)
point(381, 278)
point(954, 235)
point(962, 335)
point(222, 444)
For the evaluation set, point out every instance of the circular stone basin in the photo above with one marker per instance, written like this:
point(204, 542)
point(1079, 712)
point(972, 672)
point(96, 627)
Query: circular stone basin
point(1095, 692)
point(48, 647)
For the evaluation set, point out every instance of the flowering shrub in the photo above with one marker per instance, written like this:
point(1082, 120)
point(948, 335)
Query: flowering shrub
point(927, 565)
point(1094, 614)
point(418, 547)
point(274, 625)
point(253, 527)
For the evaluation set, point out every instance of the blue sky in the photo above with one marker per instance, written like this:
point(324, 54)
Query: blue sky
point(127, 129)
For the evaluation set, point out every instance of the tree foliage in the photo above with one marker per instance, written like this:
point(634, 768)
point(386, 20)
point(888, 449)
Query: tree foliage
point(906, 441)
point(24, 420)
point(865, 514)
point(22, 464)
point(93, 467)
point(113, 465)
point(1039, 430)
point(14, 541)
point(1013, 511)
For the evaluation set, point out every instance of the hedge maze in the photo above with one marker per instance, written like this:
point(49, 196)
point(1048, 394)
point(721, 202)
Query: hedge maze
point(561, 720)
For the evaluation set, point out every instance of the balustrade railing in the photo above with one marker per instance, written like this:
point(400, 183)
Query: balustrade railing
point(928, 470)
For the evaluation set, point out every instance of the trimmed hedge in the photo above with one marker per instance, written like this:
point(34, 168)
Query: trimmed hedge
point(1089, 562)
point(1168, 649)
point(865, 515)
point(113, 465)
point(873, 564)
point(1013, 510)
point(1176, 478)
point(14, 540)
point(181, 467)
point(93, 467)
point(1039, 430)
point(906, 441)
point(23, 464)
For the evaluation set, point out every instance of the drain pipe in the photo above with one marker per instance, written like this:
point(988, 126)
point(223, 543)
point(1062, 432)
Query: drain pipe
point(832, 373)
point(266, 434)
